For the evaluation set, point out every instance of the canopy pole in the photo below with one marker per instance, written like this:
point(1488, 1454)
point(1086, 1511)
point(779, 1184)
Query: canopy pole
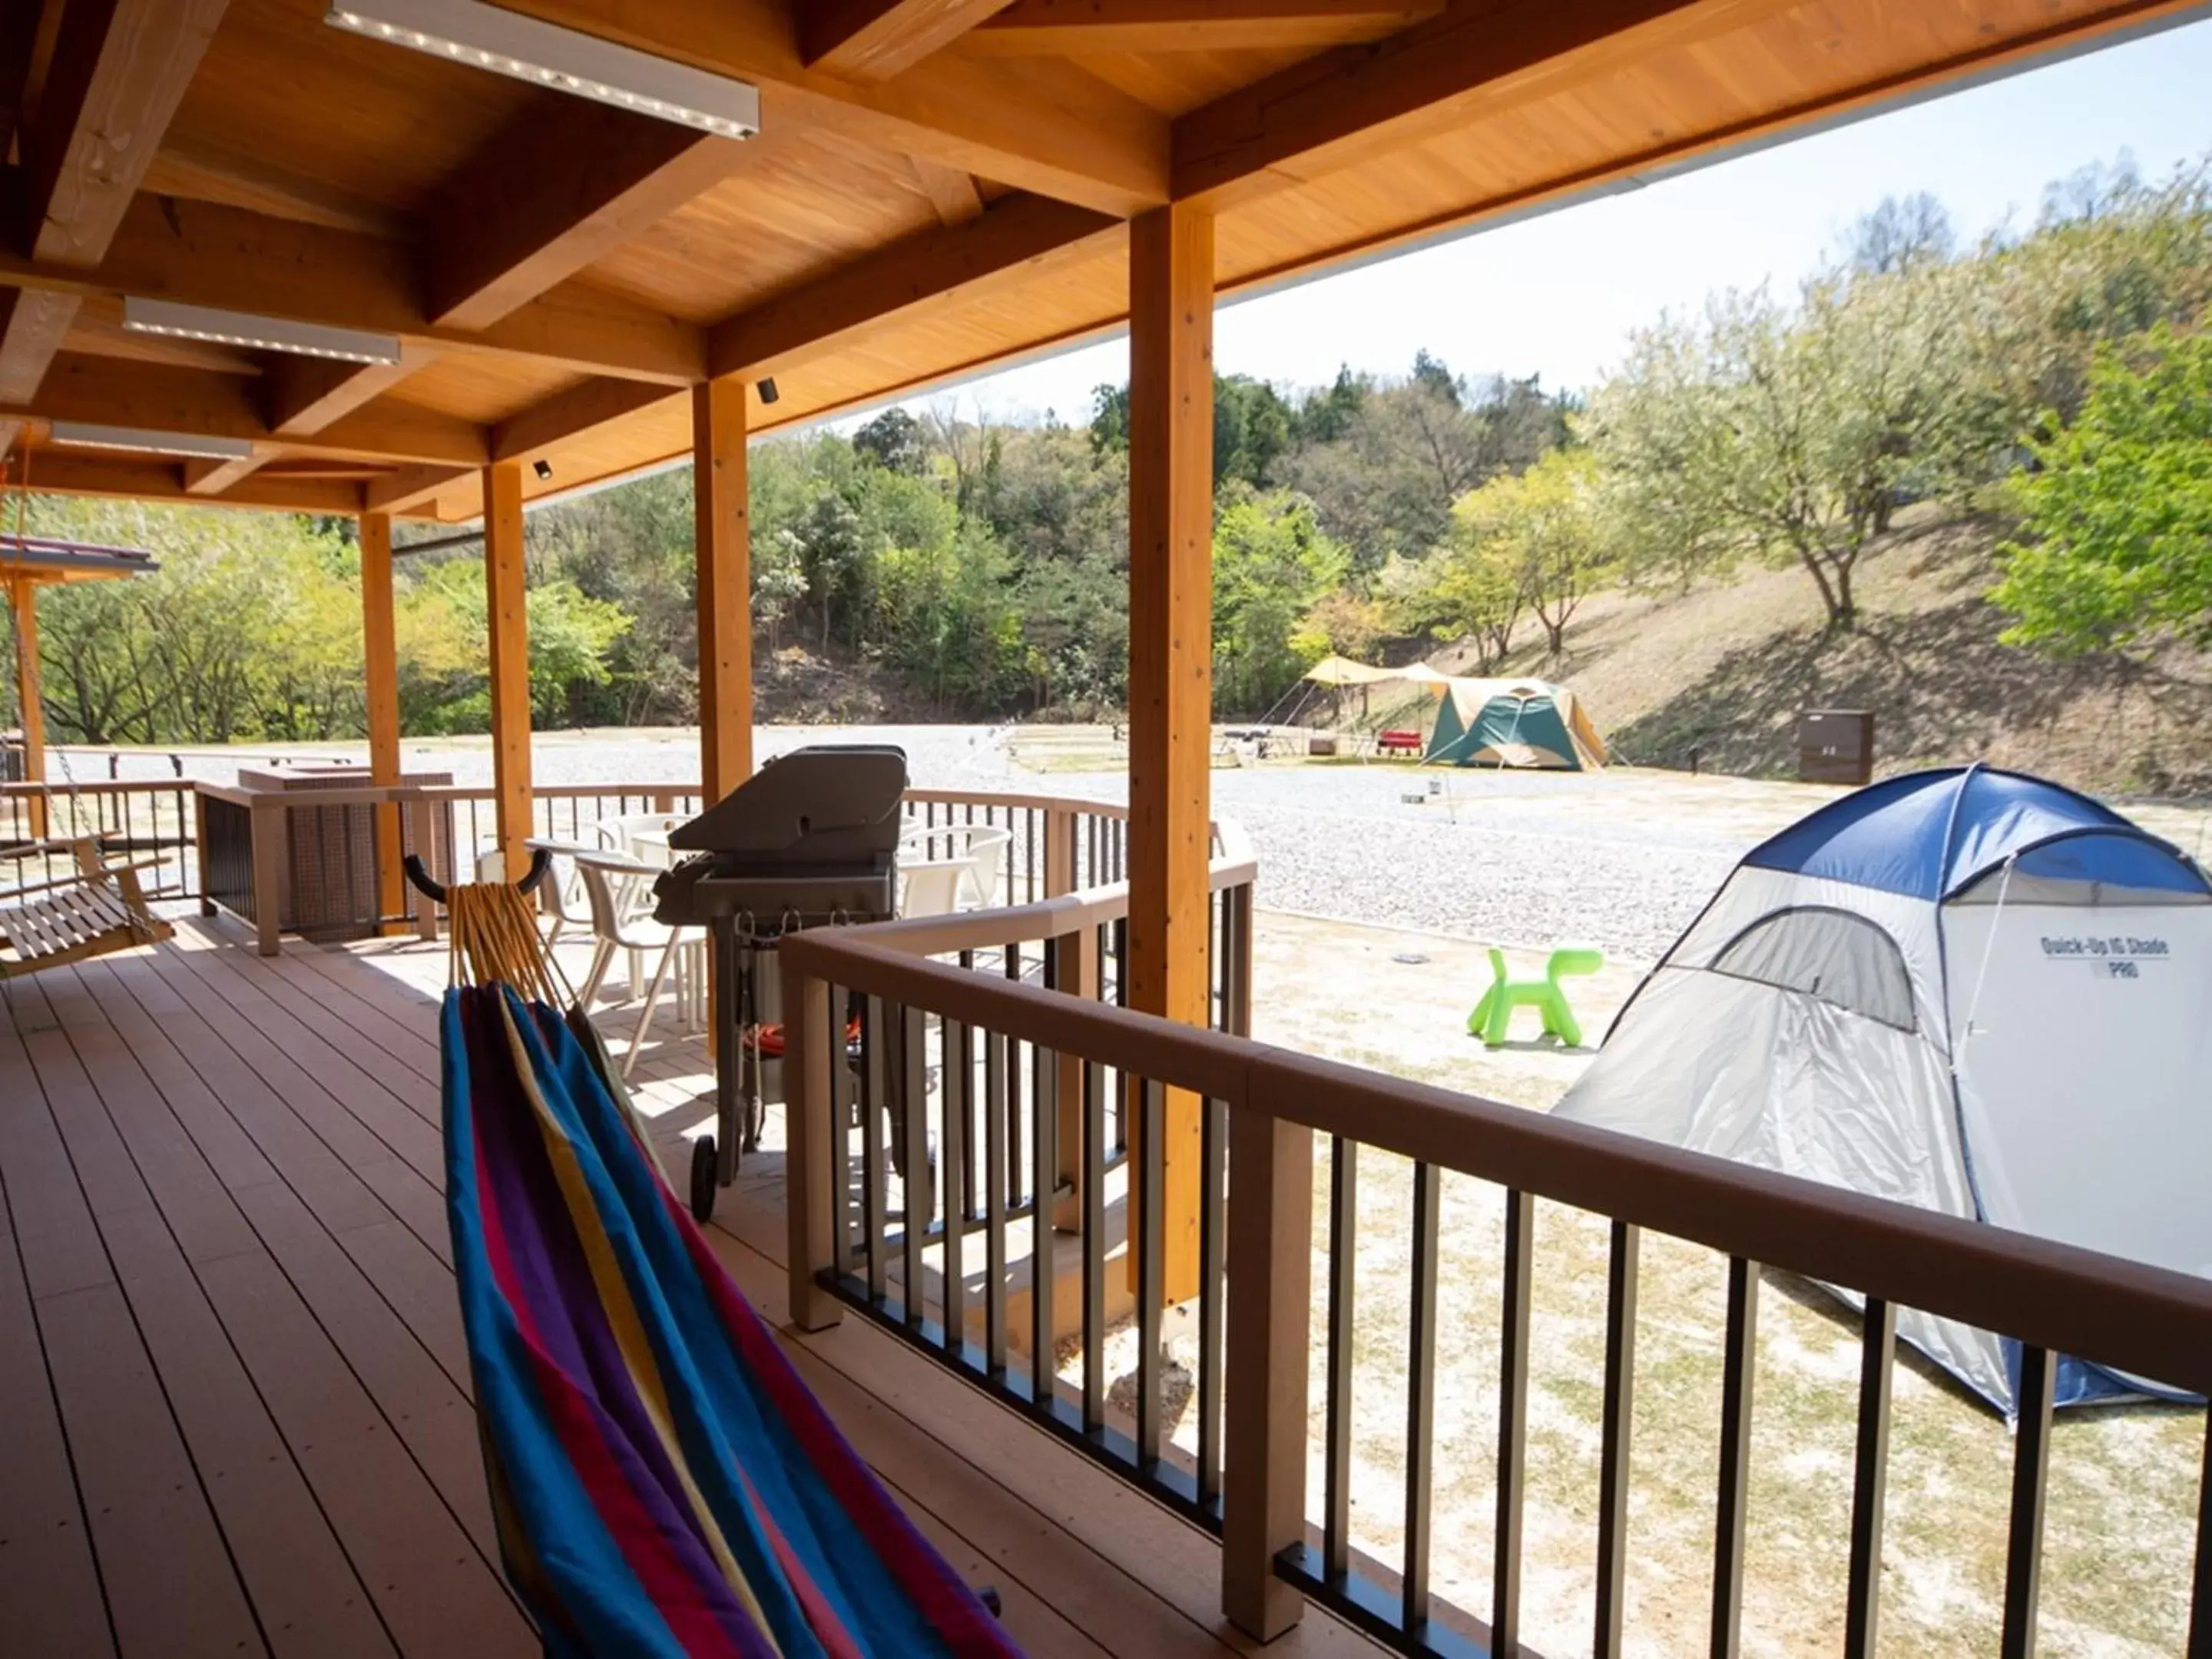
point(510, 661)
point(23, 601)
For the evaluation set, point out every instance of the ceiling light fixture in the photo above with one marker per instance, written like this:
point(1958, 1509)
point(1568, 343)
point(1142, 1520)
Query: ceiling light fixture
point(242, 328)
point(190, 445)
point(567, 60)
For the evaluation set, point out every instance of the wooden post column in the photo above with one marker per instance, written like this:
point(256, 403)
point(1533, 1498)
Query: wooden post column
point(722, 541)
point(381, 657)
point(510, 661)
point(1170, 664)
point(23, 601)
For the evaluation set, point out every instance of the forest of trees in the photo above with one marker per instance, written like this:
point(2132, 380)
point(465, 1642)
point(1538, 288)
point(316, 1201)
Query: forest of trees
point(2056, 379)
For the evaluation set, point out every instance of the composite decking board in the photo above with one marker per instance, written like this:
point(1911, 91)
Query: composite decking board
point(165, 1570)
point(295, 1146)
point(172, 1589)
point(311, 1601)
point(357, 1116)
point(384, 1110)
point(405, 1193)
point(430, 1408)
point(431, 1581)
point(189, 1193)
point(368, 1037)
point(408, 1040)
point(50, 1592)
point(56, 1239)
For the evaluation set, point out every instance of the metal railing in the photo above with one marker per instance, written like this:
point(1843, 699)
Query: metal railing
point(148, 821)
point(1256, 1114)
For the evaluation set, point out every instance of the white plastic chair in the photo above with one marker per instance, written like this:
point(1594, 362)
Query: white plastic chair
point(619, 892)
point(620, 835)
point(944, 868)
point(564, 886)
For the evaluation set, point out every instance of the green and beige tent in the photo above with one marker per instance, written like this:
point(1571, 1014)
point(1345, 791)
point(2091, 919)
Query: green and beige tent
point(1520, 723)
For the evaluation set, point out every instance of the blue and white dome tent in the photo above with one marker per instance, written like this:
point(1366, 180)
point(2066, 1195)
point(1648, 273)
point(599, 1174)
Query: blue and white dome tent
point(1966, 989)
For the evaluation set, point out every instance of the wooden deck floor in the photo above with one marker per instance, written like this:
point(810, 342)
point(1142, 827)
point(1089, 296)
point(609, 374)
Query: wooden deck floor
point(234, 1412)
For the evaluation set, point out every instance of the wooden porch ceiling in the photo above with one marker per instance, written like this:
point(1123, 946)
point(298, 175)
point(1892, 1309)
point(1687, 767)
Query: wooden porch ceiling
point(935, 188)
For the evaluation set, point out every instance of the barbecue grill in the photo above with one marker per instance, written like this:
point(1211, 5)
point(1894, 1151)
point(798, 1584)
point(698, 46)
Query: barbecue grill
point(809, 840)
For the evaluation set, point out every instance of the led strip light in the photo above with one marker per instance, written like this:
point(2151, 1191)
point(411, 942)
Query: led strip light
point(241, 328)
point(190, 445)
point(507, 43)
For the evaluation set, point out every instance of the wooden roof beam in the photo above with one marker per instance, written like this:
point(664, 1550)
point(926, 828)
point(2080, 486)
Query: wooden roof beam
point(951, 192)
point(1051, 128)
point(118, 71)
point(157, 481)
point(1030, 29)
point(1013, 239)
point(1471, 59)
point(103, 391)
point(416, 488)
point(571, 182)
point(574, 416)
point(875, 40)
point(203, 254)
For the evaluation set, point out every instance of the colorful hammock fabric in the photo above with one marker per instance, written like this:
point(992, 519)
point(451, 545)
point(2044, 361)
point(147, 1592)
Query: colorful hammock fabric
point(662, 1480)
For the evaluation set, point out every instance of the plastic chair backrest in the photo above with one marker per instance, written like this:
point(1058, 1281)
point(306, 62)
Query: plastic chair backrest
point(611, 885)
point(931, 887)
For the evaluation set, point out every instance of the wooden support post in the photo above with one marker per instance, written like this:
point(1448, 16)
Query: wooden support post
point(1270, 1259)
point(722, 541)
point(510, 664)
point(270, 848)
point(1170, 664)
point(23, 601)
point(380, 655)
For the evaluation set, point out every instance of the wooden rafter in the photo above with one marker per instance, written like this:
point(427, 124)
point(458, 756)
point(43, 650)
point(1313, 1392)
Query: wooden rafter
point(206, 254)
point(1473, 59)
point(1031, 28)
point(302, 396)
point(572, 417)
point(193, 165)
point(117, 72)
point(152, 480)
point(1017, 237)
point(411, 488)
point(951, 192)
point(875, 40)
point(214, 477)
point(569, 185)
point(1048, 128)
point(104, 392)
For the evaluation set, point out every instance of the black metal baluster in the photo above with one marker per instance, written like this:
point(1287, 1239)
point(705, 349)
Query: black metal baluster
point(912, 1094)
point(1094, 1246)
point(1738, 1364)
point(1612, 1470)
point(1213, 1283)
point(1343, 1251)
point(2030, 1465)
point(1512, 1424)
point(1421, 1398)
point(1151, 1246)
point(1014, 1164)
point(875, 1102)
point(959, 1080)
point(1869, 1479)
point(995, 1068)
point(1043, 1178)
point(968, 1141)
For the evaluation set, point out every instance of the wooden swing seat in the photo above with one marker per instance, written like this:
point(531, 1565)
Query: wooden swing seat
point(100, 909)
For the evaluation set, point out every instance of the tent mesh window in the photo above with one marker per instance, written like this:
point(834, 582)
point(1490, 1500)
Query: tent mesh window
point(1841, 958)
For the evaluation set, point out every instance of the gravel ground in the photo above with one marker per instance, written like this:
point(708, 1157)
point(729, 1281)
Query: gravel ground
point(1518, 859)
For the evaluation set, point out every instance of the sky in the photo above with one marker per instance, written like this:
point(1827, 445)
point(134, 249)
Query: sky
point(1558, 295)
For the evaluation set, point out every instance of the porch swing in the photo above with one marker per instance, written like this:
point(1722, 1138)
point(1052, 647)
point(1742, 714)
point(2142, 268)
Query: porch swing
point(97, 908)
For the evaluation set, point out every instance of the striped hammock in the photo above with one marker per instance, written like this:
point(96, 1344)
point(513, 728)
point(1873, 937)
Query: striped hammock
point(662, 1480)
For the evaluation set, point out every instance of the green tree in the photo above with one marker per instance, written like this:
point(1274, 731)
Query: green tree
point(2115, 547)
point(1271, 565)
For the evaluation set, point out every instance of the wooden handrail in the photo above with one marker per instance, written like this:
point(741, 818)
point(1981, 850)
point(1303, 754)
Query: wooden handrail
point(2149, 1320)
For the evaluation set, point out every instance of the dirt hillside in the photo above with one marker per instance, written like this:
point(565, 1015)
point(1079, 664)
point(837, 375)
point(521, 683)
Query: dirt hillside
point(1724, 671)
